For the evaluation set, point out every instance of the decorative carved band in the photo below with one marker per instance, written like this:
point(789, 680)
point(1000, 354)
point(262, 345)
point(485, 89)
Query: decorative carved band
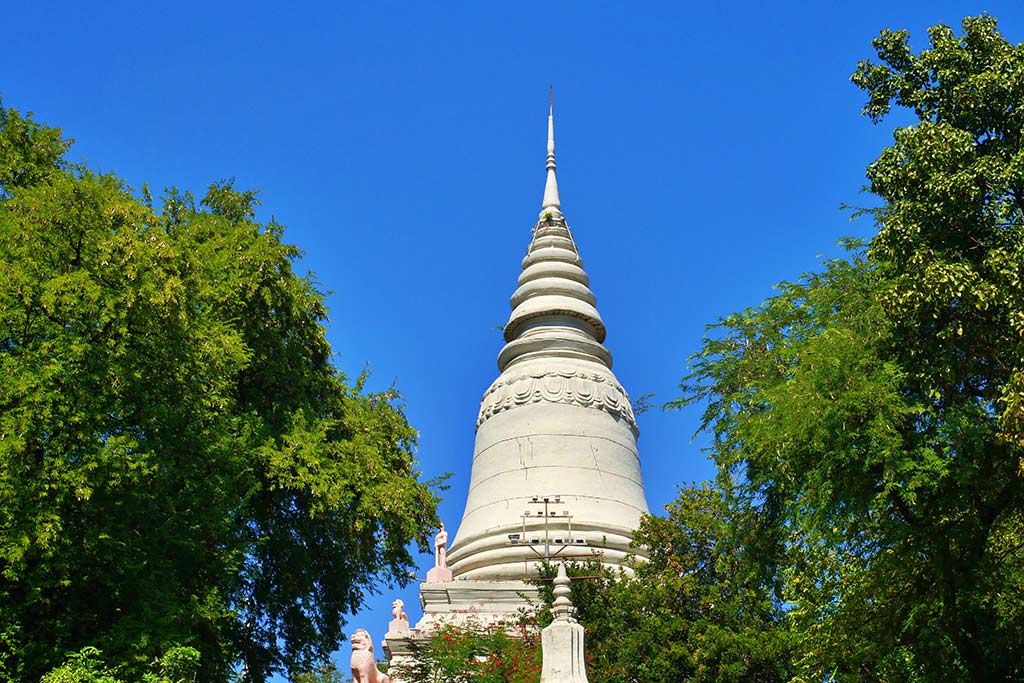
point(575, 387)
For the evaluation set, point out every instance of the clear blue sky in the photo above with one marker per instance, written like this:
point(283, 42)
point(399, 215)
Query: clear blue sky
point(703, 150)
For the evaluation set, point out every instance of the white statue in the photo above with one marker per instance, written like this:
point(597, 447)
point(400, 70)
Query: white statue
point(440, 573)
point(441, 548)
point(364, 665)
point(400, 623)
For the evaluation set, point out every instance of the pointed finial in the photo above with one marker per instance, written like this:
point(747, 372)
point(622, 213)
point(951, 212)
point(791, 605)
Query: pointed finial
point(551, 127)
point(551, 203)
point(562, 606)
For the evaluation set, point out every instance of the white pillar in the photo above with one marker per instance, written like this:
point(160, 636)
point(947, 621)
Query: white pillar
point(562, 640)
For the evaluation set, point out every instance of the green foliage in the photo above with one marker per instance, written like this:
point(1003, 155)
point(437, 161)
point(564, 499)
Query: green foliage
point(873, 412)
point(326, 672)
point(700, 610)
point(477, 653)
point(28, 151)
point(180, 461)
point(178, 665)
point(84, 666)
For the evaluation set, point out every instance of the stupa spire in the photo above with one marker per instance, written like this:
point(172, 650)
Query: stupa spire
point(554, 313)
point(551, 202)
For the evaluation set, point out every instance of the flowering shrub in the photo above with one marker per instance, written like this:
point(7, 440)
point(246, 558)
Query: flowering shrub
point(476, 653)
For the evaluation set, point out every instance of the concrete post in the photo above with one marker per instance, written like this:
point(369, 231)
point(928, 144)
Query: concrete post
point(562, 640)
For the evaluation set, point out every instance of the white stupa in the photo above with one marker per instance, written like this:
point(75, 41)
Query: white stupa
point(555, 423)
point(555, 472)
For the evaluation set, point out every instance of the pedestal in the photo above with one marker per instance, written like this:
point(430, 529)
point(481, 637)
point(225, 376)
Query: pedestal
point(398, 626)
point(562, 643)
point(439, 575)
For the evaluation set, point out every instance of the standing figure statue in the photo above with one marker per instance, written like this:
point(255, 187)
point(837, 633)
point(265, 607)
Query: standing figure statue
point(440, 573)
point(364, 665)
point(441, 548)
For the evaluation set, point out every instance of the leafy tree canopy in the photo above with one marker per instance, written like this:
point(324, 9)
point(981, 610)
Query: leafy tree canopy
point(701, 609)
point(180, 461)
point(875, 410)
point(177, 665)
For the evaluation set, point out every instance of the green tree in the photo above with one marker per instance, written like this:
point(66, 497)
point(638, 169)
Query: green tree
point(178, 665)
point(875, 408)
point(180, 461)
point(84, 666)
point(325, 672)
point(701, 609)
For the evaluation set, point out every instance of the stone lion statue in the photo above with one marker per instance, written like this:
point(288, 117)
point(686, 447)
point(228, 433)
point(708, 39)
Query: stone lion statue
point(364, 665)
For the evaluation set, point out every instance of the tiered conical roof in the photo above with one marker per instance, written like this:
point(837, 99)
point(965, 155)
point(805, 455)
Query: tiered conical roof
point(554, 312)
